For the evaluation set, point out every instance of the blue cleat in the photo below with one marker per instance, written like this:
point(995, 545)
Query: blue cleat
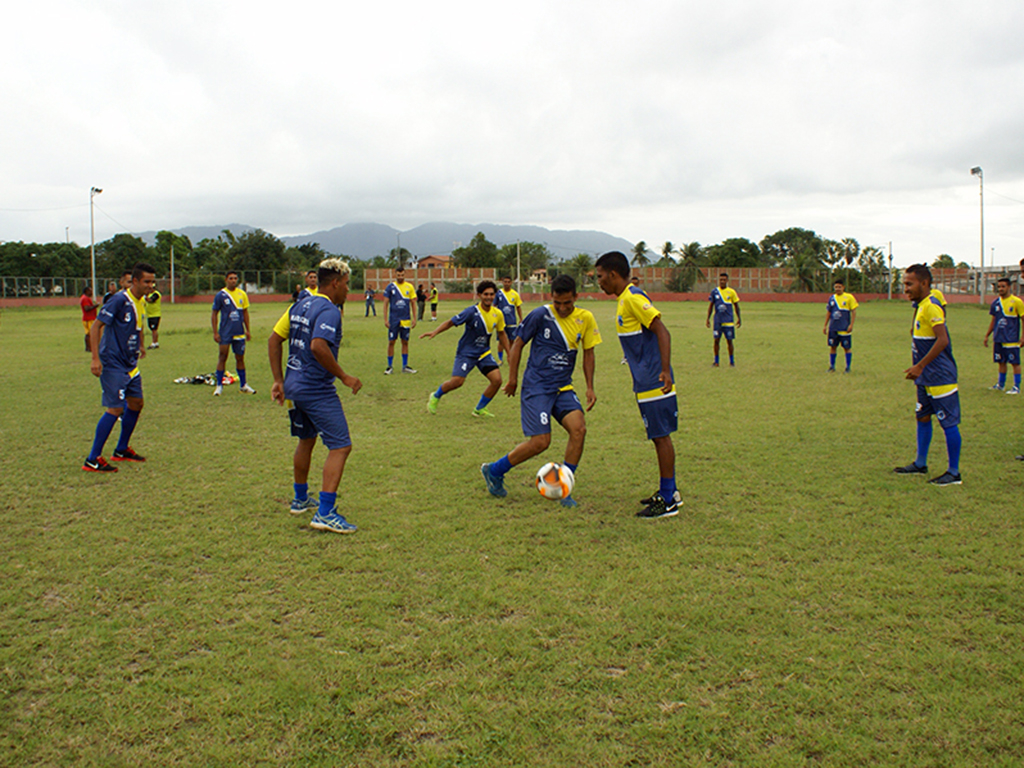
point(495, 485)
point(306, 505)
point(332, 522)
point(569, 501)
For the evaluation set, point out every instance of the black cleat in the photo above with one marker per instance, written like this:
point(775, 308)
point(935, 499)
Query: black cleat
point(911, 469)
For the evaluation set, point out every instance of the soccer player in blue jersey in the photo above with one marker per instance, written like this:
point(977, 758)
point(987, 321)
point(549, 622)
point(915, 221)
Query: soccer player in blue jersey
point(840, 315)
point(1006, 312)
point(510, 304)
point(310, 289)
point(232, 305)
point(116, 344)
point(474, 349)
point(399, 318)
point(935, 373)
point(555, 332)
point(314, 335)
point(724, 302)
point(647, 345)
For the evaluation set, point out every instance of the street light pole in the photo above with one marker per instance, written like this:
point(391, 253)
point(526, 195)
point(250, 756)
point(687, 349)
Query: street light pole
point(93, 191)
point(976, 171)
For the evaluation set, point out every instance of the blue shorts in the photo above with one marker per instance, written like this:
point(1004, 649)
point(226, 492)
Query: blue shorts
point(661, 416)
point(510, 332)
point(118, 385)
point(536, 410)
point(323, 416)
point(1001, 354)
point(728, 331)
point(844, 340)
point(397, 331)
point(464, 364)
point(945, 408)
point(237, 345)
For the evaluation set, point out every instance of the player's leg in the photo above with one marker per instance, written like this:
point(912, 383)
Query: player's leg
point(493, 385)
point(832, 356)
point(129, 419)
point(1002, 375)
point(328, 419)
point(239, 347)
point(392, 335)
point(1015, 362)
point(947, 408)
point(575, 425)
point(848, 348)
point(222, 364)
point(732, 352)
point(535, 414)
point(661, 420)
point(717, 342)
point(450, 385)
point(114, 384)
point(405, 352)
point(924, 413)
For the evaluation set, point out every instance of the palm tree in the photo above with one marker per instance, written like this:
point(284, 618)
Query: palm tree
point(579, 267)
point(667, 249)
point(640, 254)
point(803, 266)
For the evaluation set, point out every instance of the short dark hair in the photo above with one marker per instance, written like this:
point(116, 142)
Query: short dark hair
point(922, 272)
point(724, 274)
point(1003, 280)
point(231, 272)
point(312, 272)
point(127, 272)
point(399, 269)
point(614, 261)
point(483, 285)
point(140, 268)
point(563, 284)
point(839, 281)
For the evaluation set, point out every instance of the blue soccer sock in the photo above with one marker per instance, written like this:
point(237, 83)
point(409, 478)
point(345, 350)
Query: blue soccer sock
point(405, 360)
point(103, 428)
point(440, 391)
point(128, 421)
point(849, 359)
point(832, 360)
point(924, 440)
point(1002, 379)
point(1016, 380)
point(241, 377)
point(572, 467)
point(501, 466)
point(327, 501)
point(716, 359)
point(668, 487)
point(501, 355)
point(220, 378)
point(301, 491)
point(732, 360)
point(484, 400)
point(391, 360)
point(953, 443)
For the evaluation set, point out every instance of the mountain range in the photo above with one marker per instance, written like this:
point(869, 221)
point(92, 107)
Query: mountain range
point(364, 241)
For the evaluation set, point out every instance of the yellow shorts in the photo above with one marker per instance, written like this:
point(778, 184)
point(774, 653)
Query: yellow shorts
point(87, 324)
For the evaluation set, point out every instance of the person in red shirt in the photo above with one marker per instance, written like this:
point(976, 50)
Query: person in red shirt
point(88, 314)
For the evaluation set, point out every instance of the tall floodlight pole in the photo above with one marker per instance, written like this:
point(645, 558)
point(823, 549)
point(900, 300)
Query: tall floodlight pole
point(93, 191)
point(976, 171)
point(519, 276)
point(172, 273)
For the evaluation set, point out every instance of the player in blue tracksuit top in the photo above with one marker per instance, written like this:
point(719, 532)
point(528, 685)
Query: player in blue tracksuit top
point(314, 335)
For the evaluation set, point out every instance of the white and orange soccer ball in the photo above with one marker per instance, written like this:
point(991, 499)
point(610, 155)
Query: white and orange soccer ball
point(555, 481)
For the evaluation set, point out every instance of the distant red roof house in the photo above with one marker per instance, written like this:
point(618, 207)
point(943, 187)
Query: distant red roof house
point(429, 262)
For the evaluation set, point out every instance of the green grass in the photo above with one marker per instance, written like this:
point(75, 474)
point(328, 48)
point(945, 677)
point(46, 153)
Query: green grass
point(808, 607)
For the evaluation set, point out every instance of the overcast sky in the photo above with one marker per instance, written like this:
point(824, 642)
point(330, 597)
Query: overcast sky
point(664, 120)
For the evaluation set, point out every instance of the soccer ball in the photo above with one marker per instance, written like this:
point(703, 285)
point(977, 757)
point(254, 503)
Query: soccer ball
point(555, 481)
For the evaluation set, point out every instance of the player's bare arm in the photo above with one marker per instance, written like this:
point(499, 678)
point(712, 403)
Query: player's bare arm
point(275, 349)
point(245, 318)
point(322, 352)
point(440, 329)
point(589, 364)
point(515, 354)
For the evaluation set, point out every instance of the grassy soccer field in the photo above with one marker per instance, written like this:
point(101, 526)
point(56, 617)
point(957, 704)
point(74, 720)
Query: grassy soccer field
point(807, 607)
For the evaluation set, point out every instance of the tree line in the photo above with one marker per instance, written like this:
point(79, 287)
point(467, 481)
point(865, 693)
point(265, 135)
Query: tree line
point(811, 260)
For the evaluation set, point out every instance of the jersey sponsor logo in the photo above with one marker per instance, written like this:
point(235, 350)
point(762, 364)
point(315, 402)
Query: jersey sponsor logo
point(326, 327)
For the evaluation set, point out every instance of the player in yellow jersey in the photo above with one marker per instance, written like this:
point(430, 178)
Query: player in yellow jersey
point(1006, 312)
point(399, 318)
point(724, 302)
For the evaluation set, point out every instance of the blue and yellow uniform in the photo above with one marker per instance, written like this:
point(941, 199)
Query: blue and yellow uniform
point(937, 391)
point(840, 311)
point(474, 349)
point(635, 313)
point(506, 303)
point(554, 347)
point(232, 306)
point(316, 407)
point(1006, 314)
point(723, 300)
point(120, 347)
point(400, 302)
